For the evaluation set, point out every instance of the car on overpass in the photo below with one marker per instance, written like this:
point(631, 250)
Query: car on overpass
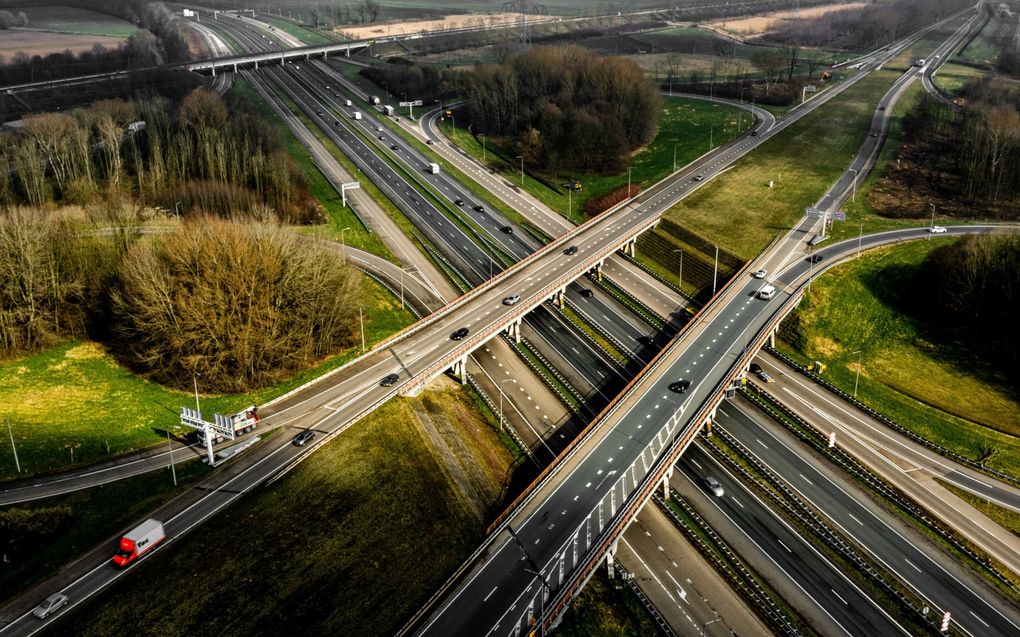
point(390, 380)
point(510, 300)
point(680, 386)
point(459, 334)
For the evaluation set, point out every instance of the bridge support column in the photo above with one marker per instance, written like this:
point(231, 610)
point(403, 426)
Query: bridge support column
point(214, 71)
point(561, 297)
point(708, 424)
point(323, 55)
point(282, 61)
point(772, 337)
point(308, 56)
point(459, 369)
point(256, 65)
point(630, 247)
point(598, 270)
point(235, 68)
point(665, 482)
point(514, 330)
point(347, 51)
point(611, 559)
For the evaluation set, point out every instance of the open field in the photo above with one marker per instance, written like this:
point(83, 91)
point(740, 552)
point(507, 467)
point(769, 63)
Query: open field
point(910, 370)
point(305, 35)
point(75, 20)
point(454, 21)
point(759, 25)
point(74, 404)
point(44, 43)
point(51, 533)
point(688, 126)
point(350, 542)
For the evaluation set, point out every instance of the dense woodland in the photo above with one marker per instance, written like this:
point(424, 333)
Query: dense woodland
point(972, 288)
point(565, 107)
point(208, 157)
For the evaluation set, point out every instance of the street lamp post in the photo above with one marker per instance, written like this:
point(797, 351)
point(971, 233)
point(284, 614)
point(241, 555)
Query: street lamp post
point(173, 469)
point(628, 182)
point(674, 157)
point(521, 157)
point(715, 272)
point(854, 197)
point(343, 244)
point(932, 219)
point(857, 378)
point(482, 136)
point(681, 286)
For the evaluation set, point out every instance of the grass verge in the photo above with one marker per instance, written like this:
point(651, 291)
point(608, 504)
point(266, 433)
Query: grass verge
point(351, 542)
point(1009, 520)
point(301, 33)
point(74, 404)
point(909, 370)
point(606, 608)
point(48, 534)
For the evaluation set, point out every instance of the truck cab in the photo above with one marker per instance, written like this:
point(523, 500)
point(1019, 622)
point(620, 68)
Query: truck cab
point(138, 541)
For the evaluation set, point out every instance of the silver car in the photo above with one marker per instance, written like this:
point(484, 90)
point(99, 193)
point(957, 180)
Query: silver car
point(713, 486)
point(50, 605)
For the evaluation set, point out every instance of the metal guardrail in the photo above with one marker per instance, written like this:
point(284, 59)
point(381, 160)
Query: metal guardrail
point(628, 579)
point(504, 424)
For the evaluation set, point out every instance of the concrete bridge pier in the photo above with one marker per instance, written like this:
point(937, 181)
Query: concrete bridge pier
point(631, 247)
point(598, 269)
point(459, 369)
point(560, 297)
point(282, 60)
point(256, 65)
point(214, 70)
point(308, 56)
point(665, 482)
point(514, 330)
point(611, 558)
point(324, 55)
point(772, 337)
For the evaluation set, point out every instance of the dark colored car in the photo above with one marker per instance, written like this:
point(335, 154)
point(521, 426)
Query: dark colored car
point(680, 386)
point(506, 230)
point(429, 142)
point(390, 380)
point(395, 147)
point(303, 437)
point(459, 334)
point(459, 202)
point(570, 251)
point(480, 208)
point(815, 258)
point(645, 340)
point(754, 133)
point(586, 293)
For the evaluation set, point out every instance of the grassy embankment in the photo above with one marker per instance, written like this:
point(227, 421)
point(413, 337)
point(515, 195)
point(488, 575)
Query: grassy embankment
point(305, 35)
point(910, 371)
point(688, 126)
point(352, 541)
point(74, 404)
point(606, 608)
point(1006, 518)
point(51, 533)
point(339, 217)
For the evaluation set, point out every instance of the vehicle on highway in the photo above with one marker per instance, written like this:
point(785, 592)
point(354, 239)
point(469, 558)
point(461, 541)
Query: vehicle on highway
point(429, 142)
point(680, 386)
point(713, 486)
point(882, 107)
point(816, 258)
point(873, 134)
point(698, 177)
point(382, 137)
point(506, 229)
point(761, 273)
point(645, 340)
point(754, 133)
point(459, 202)
point(510, 300)
point(459, 334)
point(936, 229)
point(336, 122)
point(303, 437)
point(767, 292)
point(587, 293)
point(390, 380)
point(433, 169)
point(572, 250)
point(394, 147)
point(50, 605)
point(480, 208)
point(763, 375)
point(138, 541)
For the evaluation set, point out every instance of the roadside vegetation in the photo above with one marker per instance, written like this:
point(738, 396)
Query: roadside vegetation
point(42, 537)
point(352, 541)
point(606, 608)
point(1006, 518)
point(870, 315)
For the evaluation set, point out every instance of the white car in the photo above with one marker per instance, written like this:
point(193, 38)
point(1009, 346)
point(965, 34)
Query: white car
point(936, 229)
point(761, 274)
point(510, 300)
point(50, 605)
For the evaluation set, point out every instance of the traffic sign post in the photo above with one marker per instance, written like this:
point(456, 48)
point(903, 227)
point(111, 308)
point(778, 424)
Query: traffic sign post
point(410, 107)
point(193, 418)
point(351, 185)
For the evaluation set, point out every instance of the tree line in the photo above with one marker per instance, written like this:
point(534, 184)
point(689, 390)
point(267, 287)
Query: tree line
point(979, 144)
point(242, 304)
point(565, 107)
point(160, 40)
point(8, 19)
point(199, 156)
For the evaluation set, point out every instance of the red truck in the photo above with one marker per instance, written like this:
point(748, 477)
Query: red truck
point(139, 541)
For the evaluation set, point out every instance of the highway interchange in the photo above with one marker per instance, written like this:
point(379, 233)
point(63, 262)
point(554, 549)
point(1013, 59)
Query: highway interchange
point(355, 390)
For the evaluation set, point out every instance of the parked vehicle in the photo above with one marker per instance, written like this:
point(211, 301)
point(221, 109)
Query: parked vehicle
point(139, 541)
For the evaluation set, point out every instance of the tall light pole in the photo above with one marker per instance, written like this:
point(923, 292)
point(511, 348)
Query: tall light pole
point(10, 433)
point(681, 286)
point(932, 219)
point(858, 377)
point(343, 244)
point(715, 273)
point(521, 157)
point(854, 197)
point(628, 182)
point(173, 469)
point(674, 157)
point(499, 384)
point(482, 135)
point(194, 377)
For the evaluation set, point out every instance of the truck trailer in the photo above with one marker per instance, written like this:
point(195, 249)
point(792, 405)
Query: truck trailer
point(374, 99)
point(387, 109)
point(434, 169)
point(139, 541)
point(242, 422)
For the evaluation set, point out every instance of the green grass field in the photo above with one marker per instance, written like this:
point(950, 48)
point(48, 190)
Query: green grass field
point(74, 404)
point(57, 530)
point(606, 608)
point(910, 371)
point(350, 542)
point(688, 128)
point(62, 19)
